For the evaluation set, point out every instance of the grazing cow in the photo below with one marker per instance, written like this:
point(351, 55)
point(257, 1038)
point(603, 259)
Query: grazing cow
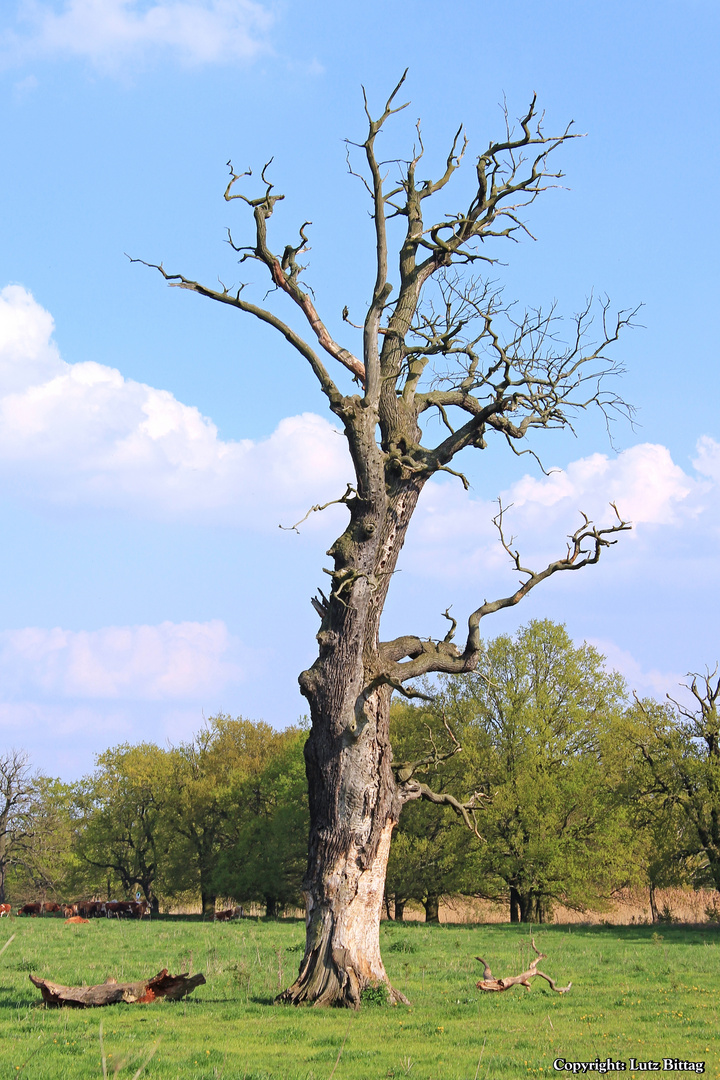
point(224, 916)
point(4, 910)
point(51, 908)
point(70, 910)
point(31, 909)
point(230, 913)
point(121, 908)
point(91, 908)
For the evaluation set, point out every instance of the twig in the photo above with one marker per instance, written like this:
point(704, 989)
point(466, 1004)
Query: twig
point(342, 1047)
point(11, 938)
point(482, 1051)
point(313, 509)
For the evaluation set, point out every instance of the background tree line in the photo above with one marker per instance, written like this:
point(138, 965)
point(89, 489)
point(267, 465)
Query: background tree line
point(581, 790)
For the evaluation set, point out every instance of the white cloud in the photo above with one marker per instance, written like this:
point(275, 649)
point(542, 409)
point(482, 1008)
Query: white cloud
point(707, 461)
point(108, 32)
point(643, 481)
point(453, 535)
point(82, 434)
point(171, 661)
point(63, 738)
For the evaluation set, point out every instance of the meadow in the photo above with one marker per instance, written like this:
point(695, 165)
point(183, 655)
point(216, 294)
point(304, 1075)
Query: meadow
point(639, 992)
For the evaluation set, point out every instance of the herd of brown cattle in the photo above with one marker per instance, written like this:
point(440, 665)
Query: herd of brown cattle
point(87, 909)
point(118, 909)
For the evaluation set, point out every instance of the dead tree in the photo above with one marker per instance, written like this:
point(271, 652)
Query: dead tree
point(16, 787)
point(111, 992)
point(490, 983)
point(437, 340)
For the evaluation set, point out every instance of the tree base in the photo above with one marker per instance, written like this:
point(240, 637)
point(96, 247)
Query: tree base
point(329, 977)
point(341, 989)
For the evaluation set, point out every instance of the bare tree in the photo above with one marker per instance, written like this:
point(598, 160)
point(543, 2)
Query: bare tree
point(679, 750)
point(16, 789)
point(436, 340)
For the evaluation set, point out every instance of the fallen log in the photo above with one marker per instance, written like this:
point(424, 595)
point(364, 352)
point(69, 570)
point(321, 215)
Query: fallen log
point(172, 987)
point(490, 983)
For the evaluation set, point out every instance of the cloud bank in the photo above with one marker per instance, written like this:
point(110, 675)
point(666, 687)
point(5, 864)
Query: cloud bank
point(82, 434)
point(454, 536)
point(110, 32)
point(169, 662)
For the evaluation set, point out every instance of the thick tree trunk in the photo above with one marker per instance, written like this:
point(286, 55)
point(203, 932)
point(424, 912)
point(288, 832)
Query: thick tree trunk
point(353, 809)
point(541, 909)
point(431, 903)
point(208, 904)
point(271, 907)
point(353, 795)
point(400, 910)
point(524, 907)
point(654, 913)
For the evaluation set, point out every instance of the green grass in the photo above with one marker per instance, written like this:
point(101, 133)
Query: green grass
point(636, 993)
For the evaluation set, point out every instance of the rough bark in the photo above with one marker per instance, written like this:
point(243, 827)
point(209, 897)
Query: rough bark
point(172, 987)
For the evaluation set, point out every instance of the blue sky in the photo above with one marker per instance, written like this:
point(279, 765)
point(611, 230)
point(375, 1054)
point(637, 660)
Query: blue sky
point(152, 442)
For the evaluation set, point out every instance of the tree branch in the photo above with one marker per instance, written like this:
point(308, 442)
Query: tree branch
point(225, 297)
point(584, 549)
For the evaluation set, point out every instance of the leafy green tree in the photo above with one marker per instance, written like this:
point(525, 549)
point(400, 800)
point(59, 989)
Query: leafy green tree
point(539, 722)
point(268, 858)
point(545, 713)
point(204, 804)
point(677, 777)
point(428, 851)
point(16, 784)
point(43, 861)
point(122, 829)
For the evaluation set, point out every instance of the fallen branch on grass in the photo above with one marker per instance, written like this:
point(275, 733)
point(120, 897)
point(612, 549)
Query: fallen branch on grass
point(172, 987)
point(490, 983)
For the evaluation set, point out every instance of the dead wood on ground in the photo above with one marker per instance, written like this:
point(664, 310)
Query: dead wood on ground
point(172, 987)
point(490, 983)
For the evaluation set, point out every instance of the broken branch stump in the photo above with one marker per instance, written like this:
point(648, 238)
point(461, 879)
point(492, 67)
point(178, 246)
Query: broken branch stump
point(489, 983)
point(172, 987)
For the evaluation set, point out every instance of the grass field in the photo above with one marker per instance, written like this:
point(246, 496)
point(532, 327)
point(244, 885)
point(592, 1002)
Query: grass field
point(638, 992)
